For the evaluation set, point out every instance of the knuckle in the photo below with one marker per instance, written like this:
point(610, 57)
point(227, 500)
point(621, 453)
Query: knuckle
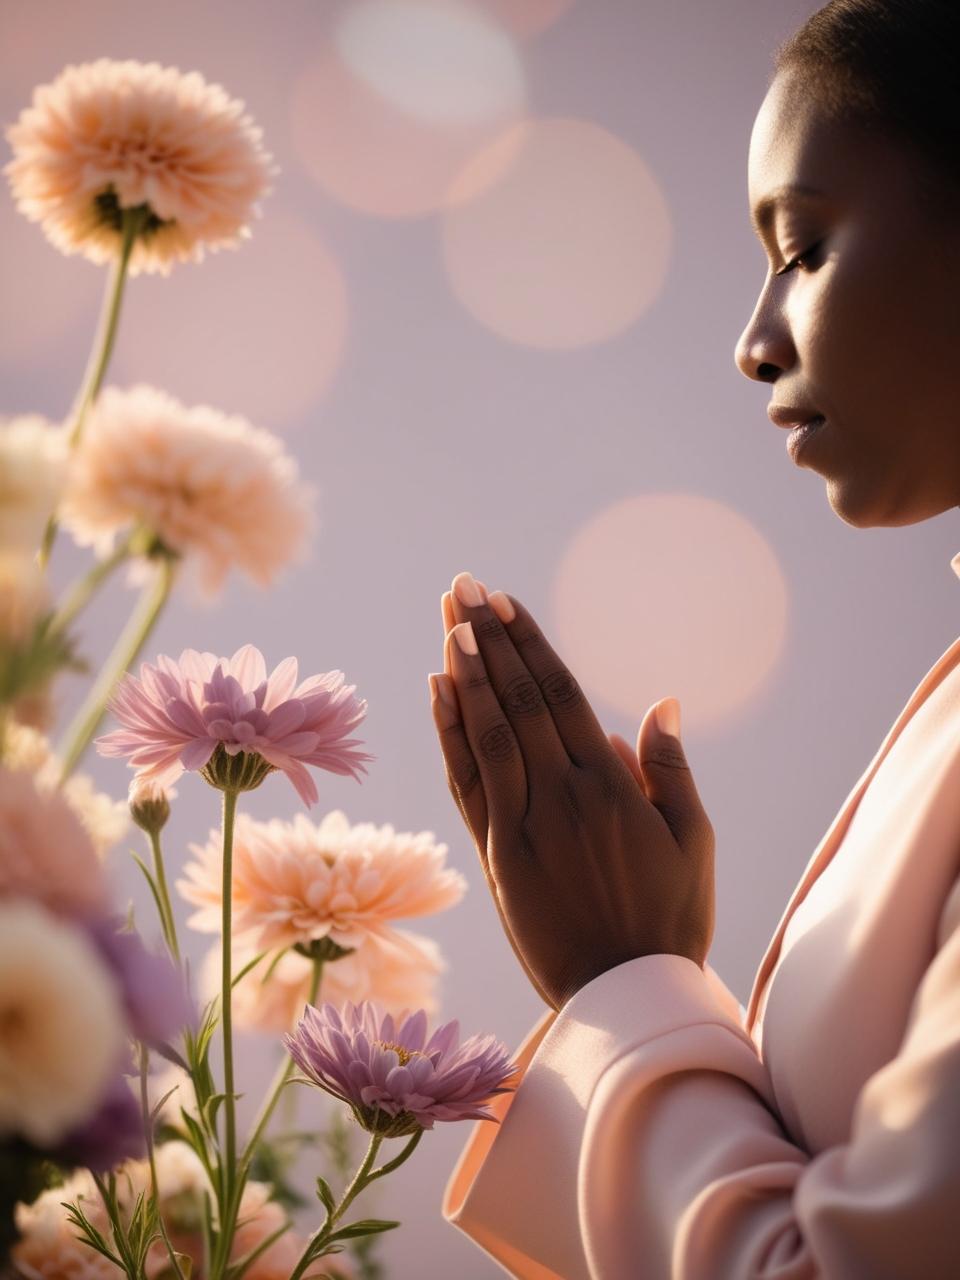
point(490, 629)
point(561, 690)
point(668, 756)
point(522, 696)
point(463, 779)
point(497, 743)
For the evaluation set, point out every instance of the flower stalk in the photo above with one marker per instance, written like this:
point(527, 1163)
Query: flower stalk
point(132, 224)
point(282, 1075)
point(131, 641)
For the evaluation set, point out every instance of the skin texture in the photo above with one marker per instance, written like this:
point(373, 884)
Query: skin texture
point(867, 329)
point(590, 860)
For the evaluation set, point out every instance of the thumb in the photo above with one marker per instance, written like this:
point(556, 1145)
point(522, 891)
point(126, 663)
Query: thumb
point(666, 774)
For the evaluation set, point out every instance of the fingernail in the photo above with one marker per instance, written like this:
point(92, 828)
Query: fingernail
point(465, 637)
point(668, 717)
point(440, 689)
point(467, 591)
point(499, 602)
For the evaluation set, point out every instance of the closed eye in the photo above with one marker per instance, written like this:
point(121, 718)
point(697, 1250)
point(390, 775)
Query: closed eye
point(800, 259)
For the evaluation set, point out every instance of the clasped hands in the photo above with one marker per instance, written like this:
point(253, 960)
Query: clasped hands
point(593, 854)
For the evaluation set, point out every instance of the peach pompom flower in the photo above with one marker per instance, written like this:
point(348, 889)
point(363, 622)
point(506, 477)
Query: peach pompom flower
point(46, 854)
point(109, 135)
point(298, 882)
point(270, 996)
point(226, 718)
point(211, 487)
point(33, 460)
point(394, 1079)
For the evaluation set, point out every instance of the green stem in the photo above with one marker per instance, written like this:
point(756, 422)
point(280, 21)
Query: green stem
point(226, 991)
point(151, 1156)
point(230, 1184)
point(84, 588)
point(131, 641)
point(102, 349)
point(166, 916)
point(280, 1078)
point(316, 1241)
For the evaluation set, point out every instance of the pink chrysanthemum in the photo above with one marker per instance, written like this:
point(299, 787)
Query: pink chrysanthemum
point(394, 1079)
point(211, 487)
point(228, 718)
point(297, 882)
point(107, 135)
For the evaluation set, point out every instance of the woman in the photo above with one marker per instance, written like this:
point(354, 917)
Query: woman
point(659, 1129)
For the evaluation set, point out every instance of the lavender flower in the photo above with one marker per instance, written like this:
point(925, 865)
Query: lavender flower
point(395, 1080)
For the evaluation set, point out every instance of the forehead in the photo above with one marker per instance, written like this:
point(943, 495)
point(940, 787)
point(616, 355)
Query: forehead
point(791, 143)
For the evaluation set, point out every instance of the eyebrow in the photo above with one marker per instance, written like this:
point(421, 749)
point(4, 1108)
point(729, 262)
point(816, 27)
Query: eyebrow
point(762, 216)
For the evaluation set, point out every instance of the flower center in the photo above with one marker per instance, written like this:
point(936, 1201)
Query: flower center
point(403, 1054)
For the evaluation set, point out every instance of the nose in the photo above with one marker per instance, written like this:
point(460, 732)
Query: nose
point(763, 350)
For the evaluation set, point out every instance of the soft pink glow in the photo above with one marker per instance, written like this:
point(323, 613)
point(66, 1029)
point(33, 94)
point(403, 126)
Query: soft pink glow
point(569, 247)
point(671, 595)
point(369, 155)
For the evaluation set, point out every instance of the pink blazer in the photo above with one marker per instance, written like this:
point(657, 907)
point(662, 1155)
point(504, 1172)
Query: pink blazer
point(661, 1131)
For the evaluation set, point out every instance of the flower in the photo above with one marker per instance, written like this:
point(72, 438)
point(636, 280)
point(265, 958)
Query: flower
point(398, 976)
point(62, 1020)
point(204, 712)
point(394, 1079)
point(297, 882)
point(33, 459)
point(49, 1247)
point(45, 853)
point(107, 135)
point(32, 651)
point(150, 804)
point(104, 820)
point(210, 487)
point(154, 995)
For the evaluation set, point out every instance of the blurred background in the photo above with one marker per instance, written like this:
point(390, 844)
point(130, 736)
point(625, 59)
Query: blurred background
point(491, 305)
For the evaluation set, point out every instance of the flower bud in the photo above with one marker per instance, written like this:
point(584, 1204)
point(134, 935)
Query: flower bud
point(149, 805)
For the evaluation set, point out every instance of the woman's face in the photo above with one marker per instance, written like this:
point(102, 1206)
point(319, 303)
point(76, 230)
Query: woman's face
point(866, 328)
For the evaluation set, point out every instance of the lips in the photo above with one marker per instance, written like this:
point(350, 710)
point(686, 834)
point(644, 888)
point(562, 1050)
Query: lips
point(792, 415)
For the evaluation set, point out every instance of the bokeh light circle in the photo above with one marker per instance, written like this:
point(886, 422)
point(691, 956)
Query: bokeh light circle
point(443, 63)
point(671, 595)
point(568, 246)
point(379, 134)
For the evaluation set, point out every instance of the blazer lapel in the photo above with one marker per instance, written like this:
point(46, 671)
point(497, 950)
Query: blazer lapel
point(834, 836)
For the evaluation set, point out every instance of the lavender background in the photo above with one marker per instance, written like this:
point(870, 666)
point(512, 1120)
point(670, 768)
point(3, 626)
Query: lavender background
point(581, 438)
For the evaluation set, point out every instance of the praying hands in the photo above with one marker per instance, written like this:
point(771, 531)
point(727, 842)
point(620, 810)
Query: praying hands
point(594, 855)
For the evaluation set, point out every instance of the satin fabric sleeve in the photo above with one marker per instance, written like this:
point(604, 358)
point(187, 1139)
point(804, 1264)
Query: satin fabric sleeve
point(643, 1143)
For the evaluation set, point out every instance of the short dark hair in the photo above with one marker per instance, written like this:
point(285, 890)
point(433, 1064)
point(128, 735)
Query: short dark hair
point(892, 69)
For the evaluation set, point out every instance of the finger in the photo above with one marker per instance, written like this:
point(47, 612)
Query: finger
point(583, 737)
point(446, 610)
point(492, 740)
point(518, 693)
point(463, 776)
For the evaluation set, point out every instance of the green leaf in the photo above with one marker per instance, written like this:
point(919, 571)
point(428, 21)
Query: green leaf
point(210, 1109)
point(326, 1195)
point(364, 1227)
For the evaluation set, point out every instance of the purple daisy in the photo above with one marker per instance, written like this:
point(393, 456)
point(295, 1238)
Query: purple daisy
point(395, 1080)
point(227, 718)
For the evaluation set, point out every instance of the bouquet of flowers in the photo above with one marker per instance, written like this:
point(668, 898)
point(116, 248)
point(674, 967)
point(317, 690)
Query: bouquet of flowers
point(107, 1165)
